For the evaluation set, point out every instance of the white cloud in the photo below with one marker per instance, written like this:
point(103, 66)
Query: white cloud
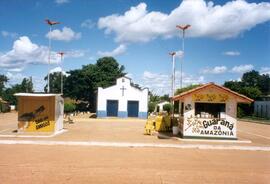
point(9, 34)
point(231, 53)
point(242, 68)
point(206, 20)
point(67, 34)
point(215, 70)
point(15, 69)
point(117, 51)
point(161, 83)
point(25, 52)
point(88, 23)
point(61, 1)
point(265, 70)
point(58, 69)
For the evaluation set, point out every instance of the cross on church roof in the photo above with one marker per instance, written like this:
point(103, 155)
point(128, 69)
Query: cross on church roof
point(123, 89)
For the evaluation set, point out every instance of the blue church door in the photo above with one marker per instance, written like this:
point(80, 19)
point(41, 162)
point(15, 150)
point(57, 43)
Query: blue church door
point(133, 108)
point(112, 108)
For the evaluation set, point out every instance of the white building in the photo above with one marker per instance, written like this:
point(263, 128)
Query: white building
point(159, 106)
point(122, 100)
point(209, 111)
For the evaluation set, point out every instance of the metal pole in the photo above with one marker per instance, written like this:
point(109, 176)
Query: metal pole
point(49, 58)
point(173, 81)
point(181, 63)
point(183, 28)
point(173, 86)
point(62, 74)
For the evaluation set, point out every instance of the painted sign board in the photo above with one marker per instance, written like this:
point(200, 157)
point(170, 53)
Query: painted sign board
point(39, 113)
point(210, 97)
point(207, 127)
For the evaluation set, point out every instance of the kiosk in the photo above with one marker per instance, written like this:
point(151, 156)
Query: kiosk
point(209, 111)
point(40, 112)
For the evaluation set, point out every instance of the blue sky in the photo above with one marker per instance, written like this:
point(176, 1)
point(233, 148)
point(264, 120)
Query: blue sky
point(226, 38)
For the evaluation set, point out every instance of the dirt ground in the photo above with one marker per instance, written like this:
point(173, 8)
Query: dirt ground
point(63, 164)
point(91, 164)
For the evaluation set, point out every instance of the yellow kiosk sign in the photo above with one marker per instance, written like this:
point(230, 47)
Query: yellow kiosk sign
point(37, 120)
point(210, 97)
point(37, 113)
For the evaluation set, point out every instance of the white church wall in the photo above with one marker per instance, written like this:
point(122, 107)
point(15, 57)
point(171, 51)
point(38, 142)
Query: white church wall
point(123, 92)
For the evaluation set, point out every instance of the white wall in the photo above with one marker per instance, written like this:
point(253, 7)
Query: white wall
point(59, 113)
point(115, 93)
point(192, 125)
point(160, 105)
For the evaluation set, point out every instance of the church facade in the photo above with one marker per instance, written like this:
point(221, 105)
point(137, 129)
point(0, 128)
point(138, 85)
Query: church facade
point(122, 100)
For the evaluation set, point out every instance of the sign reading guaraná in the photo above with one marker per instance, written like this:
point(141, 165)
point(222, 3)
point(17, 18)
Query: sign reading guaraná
point(210, 128)
point(209, 111)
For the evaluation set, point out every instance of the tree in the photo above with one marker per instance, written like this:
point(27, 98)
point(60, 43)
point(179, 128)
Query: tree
point(8, 94)
point(251, 79)
point(69, 107)
point(82, 84)
point(264, 84)
point(253, 85)
point(179, 91)
point(3, 81)
point(233, 85)
point(165, 98)
point(26, 86)
point(55, 82)
point(151, 106)
point(251, 92)
point(167, 107)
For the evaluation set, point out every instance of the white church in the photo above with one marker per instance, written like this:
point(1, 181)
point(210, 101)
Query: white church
point(122, 100)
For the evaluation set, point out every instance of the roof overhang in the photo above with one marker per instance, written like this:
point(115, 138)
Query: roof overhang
point(242, 98)
point(36, 94)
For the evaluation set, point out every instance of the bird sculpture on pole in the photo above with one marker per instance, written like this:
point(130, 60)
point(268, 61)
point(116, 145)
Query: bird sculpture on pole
point(50, 23)
point(183, 28)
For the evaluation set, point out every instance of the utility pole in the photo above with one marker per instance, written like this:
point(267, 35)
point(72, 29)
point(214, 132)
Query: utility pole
point(183, 28)
point(61, 64)
point(50, 23)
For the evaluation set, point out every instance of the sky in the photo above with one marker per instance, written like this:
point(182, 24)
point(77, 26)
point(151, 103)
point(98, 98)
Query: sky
point(225, 40)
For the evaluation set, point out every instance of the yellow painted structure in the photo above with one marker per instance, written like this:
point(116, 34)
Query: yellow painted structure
point(40, 112)
point(160, 123)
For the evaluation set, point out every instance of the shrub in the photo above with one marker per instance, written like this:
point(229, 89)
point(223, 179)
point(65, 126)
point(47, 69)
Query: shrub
point(151, 106)
point(69, 107)
point(167, 107)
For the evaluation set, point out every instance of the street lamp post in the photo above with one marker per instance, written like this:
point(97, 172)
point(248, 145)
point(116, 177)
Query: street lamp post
point(183, 28)
point(50, 23)
point(173, 71)
point(61, 64)
point(173, 80)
